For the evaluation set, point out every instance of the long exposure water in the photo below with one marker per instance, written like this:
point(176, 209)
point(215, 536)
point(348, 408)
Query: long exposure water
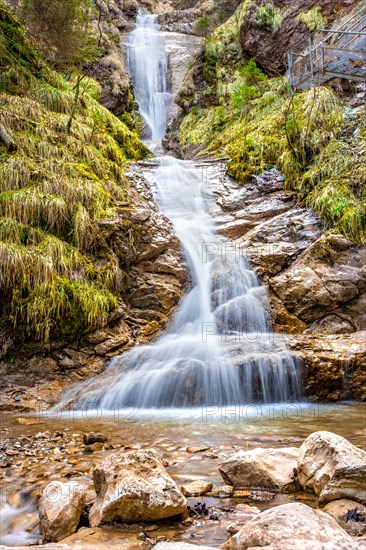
point(193, 361)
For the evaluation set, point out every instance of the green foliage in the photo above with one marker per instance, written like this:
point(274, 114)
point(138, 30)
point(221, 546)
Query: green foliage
point(317, 144)
point(313, 19)
point(246, 87)
point(222, 56)
point(58, 276)
point(252, 74)
point(63, 30)
point(203, 24)
point(241, 97)
point(220, 119)
point(269, 16)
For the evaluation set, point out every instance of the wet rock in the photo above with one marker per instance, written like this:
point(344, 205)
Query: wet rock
point(197, 449)
point(60, 508)
point(133, 487)
point(276, 243)
point(91, 438)
point(332, 467)
point(335, 365)
point(335, 271)
point(261, 469)
point(349, 514)
point(197, 510)
point(285, 523)
point(223, 491)
point(196, 488)
point(261, 496)
point(180, 546)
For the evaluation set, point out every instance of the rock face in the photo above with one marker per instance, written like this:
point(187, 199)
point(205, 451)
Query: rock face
point(332, 467)
point(335, 364)
point(146, 248)
point(287, 523)
point(268, 45)
point(133, 487)
point(60, 508)
point(114, 18)
point(268, 469)
point(335, 270)
point(315, 283)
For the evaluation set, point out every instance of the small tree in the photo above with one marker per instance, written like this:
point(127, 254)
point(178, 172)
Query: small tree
point(64, 33)
point(252, 74)
point(251, 77)
point(203, 25)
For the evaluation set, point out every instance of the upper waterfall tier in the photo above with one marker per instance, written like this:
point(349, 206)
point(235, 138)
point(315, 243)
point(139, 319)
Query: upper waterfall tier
point(148, 66)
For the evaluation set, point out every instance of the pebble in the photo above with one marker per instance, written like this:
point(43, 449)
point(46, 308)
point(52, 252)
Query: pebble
point(197, 449)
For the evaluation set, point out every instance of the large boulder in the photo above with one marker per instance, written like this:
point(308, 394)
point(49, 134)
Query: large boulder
point(334, 269)
point(348, 482)
point(269, 469)
point(133, 487)
point(60, 508)
point(282, 524)
point(332, 467)
point(335, 365)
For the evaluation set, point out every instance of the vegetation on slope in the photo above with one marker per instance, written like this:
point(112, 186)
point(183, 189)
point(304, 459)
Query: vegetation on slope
point(312, 137)
point(57, 274)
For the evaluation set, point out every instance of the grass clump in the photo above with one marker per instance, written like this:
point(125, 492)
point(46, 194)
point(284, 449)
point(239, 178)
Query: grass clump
point(58, 276)
point(269, 16)
point(313, 19)
point(310, 137)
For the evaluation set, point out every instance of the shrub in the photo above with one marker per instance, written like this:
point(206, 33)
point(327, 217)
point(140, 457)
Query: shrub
point(269, 16)
point(203, 24)
point(313, 19)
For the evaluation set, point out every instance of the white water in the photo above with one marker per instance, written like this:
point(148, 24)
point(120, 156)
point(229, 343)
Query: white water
point(147, 64)
point(17, 524)
point(219, 347)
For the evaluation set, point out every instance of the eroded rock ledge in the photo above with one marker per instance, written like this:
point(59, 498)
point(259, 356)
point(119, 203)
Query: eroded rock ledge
point(34, 376)
point(316, 281)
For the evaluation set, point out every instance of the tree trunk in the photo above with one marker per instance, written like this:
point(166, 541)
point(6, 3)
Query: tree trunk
point(6, 138)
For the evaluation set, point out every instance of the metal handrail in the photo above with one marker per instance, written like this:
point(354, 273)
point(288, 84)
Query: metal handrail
point(312, 59)
point(343, 32)
point(314, 34)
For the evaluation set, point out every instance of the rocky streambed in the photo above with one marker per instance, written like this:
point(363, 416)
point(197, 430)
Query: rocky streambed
point(128, 483)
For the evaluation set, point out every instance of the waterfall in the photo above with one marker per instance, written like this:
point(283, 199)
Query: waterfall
point(219, 347)
point(148, 66)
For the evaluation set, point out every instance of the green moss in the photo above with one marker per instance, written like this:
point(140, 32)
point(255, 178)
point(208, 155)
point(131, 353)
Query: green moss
point(312, 138)
point(269, 16)
point(57, 273)
point(313, 19)
point(222, 56)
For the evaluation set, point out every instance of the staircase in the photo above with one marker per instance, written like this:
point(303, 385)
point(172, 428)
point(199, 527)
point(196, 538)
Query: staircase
point(330, 54)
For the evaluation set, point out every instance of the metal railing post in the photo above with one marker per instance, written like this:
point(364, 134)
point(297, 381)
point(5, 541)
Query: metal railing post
point(290, 69)
point(311, 57)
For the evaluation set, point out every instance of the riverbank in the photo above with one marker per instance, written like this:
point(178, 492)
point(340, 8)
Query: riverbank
point(192, 444)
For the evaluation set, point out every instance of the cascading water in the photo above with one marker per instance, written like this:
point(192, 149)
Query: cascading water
point(218, 348)
point(147, 64)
